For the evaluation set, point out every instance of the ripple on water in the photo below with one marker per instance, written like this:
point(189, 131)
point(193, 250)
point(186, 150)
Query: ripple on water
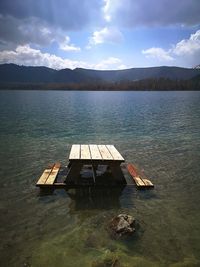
point(158, 132)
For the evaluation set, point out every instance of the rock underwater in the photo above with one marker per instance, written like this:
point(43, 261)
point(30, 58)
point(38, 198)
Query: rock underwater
point(122, 225)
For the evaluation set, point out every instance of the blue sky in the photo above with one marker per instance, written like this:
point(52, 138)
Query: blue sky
point(100, 34)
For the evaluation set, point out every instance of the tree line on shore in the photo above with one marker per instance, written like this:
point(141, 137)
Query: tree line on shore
point(161, 84)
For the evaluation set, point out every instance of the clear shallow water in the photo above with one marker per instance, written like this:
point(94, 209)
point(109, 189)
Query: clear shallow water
point(158, 131)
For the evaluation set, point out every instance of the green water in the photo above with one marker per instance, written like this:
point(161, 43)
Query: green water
point(158, 131)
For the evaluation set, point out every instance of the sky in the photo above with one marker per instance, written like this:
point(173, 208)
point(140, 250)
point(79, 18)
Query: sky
point(100, 34)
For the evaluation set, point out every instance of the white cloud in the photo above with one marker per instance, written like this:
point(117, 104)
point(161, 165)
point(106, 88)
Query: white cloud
point(188, 46)
point(106, 8)
point(158, 53)
point(14, 32)
point(110, 9)
point(111, 62)
point(25, 55)
point(187, 50)
point(106, 35)
point(122, 67)
point(31, 31)
point(66, 46)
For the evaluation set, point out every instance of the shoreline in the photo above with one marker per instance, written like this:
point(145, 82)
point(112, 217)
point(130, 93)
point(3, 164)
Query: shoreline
point(141, 85)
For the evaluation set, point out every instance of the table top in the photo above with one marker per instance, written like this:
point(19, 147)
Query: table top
point(95, 153)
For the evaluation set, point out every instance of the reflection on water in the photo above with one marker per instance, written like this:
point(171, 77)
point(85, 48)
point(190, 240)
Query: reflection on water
point(95, 198)
point(159, 132)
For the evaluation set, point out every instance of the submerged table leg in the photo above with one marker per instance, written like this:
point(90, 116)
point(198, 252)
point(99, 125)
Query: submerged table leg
point(94, 169)
point(73, 175)
point(117, 172)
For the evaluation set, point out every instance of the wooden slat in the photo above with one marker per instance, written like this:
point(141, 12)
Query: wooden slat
point(75, 152)
point(95, 154)
point(115, 153)
point(44, 177)
point(148, 183)
point(140, 182)
point(85, 152)
point(52, 176)
point(105, 152)
point(132, 170)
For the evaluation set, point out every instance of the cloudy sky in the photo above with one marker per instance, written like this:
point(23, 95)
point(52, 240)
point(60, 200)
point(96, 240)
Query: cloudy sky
point(100, 34)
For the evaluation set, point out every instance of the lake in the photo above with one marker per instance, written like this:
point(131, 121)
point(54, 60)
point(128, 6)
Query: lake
point(157, 131)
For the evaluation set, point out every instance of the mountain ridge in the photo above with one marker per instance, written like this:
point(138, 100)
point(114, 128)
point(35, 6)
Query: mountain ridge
point(40, 74)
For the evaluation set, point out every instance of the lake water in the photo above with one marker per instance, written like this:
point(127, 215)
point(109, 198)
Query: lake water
point(157, 131)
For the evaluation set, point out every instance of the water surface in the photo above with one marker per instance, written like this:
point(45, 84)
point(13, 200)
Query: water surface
point(158, 131)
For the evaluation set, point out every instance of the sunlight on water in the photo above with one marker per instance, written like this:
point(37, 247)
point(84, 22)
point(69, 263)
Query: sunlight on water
point(158, 131)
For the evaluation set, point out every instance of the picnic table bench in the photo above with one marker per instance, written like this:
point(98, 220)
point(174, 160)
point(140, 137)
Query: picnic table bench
point(93, 155)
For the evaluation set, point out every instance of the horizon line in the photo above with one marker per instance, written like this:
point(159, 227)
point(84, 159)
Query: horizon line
point(43, 66)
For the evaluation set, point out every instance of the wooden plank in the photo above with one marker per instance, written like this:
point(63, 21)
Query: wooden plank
point(105, 154)
point(75, 152)
point(148, 182)
point(85, 152)
point(140, 182)
point(52, 176)
point(132, 170)
point(44, 177)
point(95, 154)
point(115, 153)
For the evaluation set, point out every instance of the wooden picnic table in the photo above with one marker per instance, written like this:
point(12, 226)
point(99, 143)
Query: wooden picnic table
point(94, 155)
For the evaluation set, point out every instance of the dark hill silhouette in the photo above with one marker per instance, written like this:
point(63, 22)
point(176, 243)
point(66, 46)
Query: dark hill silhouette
point(174, 73)
point(196, 78)
point(11, 73)
point(15, 73)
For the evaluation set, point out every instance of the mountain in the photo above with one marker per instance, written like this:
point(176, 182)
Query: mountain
point(15, 73)
point(196, 78)
point(11, 73)
point(174, 73)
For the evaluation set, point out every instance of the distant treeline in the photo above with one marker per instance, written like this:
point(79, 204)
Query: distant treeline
point(161, 84)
